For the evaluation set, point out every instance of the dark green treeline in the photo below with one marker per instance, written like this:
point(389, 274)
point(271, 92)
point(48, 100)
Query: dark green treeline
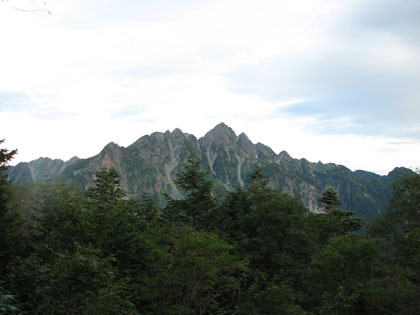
point(254, 251)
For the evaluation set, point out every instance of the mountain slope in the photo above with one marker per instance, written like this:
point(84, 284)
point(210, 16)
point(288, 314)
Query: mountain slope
point(38, 170)
point(151, 163)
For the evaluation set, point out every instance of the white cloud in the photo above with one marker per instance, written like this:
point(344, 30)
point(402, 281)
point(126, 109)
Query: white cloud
point(112, 72)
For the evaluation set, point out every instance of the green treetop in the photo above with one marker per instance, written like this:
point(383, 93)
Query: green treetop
point(197, 189)
point(341, 220)
point(107, 191)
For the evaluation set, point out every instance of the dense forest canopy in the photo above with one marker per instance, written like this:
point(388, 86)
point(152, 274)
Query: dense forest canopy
point(254, 251)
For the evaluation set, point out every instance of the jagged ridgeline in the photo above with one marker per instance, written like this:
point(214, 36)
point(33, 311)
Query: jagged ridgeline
point(151, 163)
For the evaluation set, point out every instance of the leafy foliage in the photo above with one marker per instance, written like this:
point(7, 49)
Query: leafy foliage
point(340, 270)
point(398, 230)
point(254, 251)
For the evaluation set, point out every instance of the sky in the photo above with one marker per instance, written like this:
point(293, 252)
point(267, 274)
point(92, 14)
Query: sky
point(327, 80)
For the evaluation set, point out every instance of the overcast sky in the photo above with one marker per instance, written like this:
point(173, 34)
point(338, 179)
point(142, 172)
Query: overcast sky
point(328, 80)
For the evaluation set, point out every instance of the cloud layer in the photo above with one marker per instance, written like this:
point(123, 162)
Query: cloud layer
point(295, 75)
point(365, 69)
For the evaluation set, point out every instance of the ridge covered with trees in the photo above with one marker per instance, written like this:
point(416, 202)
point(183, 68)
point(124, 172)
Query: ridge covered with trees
point(253, 251)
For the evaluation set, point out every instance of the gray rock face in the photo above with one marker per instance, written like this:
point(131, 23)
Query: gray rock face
point(39, 170)
point(221, 134)
point(151, 163)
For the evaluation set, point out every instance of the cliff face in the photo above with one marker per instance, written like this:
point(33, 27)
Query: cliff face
point(38, 170)
point(151, 163)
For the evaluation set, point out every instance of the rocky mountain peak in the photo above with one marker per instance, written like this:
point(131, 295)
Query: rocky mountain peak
point(221, 134)
point(109, 155)
point(177, 132)
point(284, 156)
point(399, 171)
point(151, 163)
point(112, 146)
point(264, 151)
point(72, 160)
point(246, 144)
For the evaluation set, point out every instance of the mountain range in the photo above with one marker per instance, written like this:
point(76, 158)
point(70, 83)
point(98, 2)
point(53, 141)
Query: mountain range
point(151, 163)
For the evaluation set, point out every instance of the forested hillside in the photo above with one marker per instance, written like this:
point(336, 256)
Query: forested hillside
point(256, 250)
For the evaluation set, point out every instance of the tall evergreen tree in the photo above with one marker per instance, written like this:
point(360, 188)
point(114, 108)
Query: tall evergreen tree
point(104, 209)
point(198, 202)
point(398, 230)
point(405, 202)
point(341, 221)
point(8, 218)
point(107, 190)
point(10, 234)
point(330, 200)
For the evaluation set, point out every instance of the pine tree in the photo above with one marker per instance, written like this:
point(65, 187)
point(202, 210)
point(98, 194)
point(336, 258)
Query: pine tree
point(107, 191)
point(8, 218)
point(330, 200)
point(10, 234)
point(341, 221)
point(104, 205)
point(199, 202)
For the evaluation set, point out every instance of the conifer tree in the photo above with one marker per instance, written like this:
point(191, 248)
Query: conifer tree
point(9, 232)
point(104, 206)
point(107, 191)
point(8, 218)
point(342, 221)
point(197, 189)
point(330, 200)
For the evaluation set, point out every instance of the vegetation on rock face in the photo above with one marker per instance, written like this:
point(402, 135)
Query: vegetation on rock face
point(255, 250)
point(151, 163)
